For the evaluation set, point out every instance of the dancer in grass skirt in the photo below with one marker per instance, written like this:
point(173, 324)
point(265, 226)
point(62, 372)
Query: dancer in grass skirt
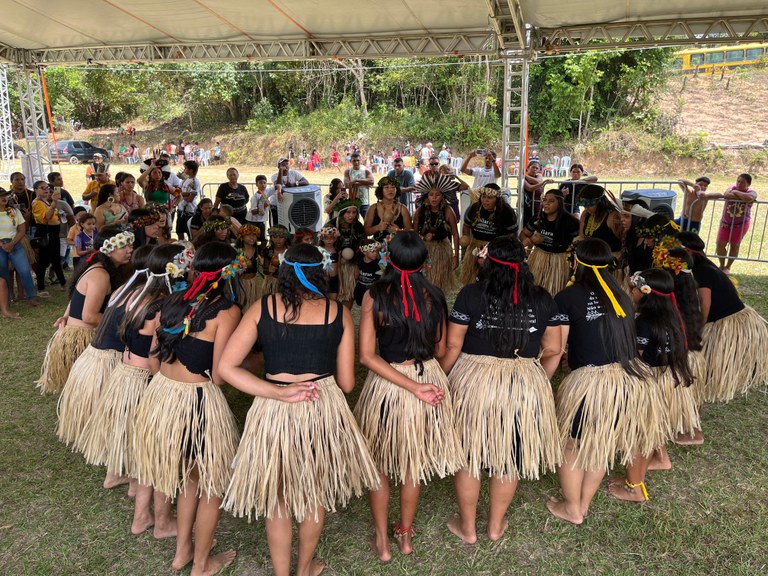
point(503, 346)
point(186, 435)
point(94, 280)
point(301, 454)
point(405, 410)
point(279, 241)
point(252, 279)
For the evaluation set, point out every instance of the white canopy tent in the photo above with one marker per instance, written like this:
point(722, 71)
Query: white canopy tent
point(40, 32)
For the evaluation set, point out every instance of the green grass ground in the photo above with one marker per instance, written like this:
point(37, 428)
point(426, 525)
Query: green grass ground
point(708, 515)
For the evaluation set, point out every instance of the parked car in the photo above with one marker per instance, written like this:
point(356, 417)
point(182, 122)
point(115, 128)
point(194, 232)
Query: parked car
point(75, 151)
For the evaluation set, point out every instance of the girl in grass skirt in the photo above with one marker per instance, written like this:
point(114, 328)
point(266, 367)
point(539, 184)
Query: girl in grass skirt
point(405, 410)
point(109, 435)
point(605, 405)
point(550, 234)
point(503, 347)
point(279, 241)
point(486, 219)
point(679, 263)
point(663, 346)
point(93, 367)
point(301, 453)
point(735, 336)
point(329, 241)
point(252, 278)
point(435, 222)
point(351, 232)
point(94, 280)
point(186, 435)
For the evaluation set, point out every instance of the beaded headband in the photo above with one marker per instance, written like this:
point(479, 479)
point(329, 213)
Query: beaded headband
point(213, 225)
point(118, 241)
point(144, 221)
point(276, 232)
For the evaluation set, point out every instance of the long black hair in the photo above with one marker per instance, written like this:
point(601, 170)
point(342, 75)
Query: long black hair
point(686, 293)
point(407, 253)
point(98, 257)
point(139, 260)
point(562, 215)
point(154, 289)
point(508, 322)
point(695, 246)
point(210, 234)
point(292, 291)
point(668, 336)
point(616, 333)
point(211, 257)
point(138, 219)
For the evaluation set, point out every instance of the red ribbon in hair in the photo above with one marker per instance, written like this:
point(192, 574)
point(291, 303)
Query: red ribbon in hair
point(407, 289)
point(677, 309)
point(515, 266)
point(199, 283)
point(91, 257)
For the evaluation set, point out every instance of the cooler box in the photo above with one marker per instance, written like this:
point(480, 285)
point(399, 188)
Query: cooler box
point(661, 200)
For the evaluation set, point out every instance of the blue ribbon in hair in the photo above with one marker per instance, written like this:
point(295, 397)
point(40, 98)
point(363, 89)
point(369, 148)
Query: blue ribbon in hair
point(297, 267)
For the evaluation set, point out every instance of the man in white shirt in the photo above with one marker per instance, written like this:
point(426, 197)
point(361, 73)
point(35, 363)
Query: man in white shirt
point(488, 174)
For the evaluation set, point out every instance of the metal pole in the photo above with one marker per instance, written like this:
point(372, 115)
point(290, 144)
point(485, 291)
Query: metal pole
point(7, 160)
point(36, 164)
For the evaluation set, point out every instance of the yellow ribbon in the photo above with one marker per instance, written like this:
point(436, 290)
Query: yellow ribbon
point(616, 306)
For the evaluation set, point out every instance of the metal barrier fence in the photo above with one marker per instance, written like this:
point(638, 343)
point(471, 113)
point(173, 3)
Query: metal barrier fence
point(752, 247)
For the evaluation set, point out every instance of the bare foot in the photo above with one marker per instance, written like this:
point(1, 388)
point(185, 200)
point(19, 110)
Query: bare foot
point(113, 481)
point(663, 464)
point(687, 440)
point(496, 534)
point(403, 537)
point(9, 314)
point(216, 564)
point(183, 557)
point(625, 493)
point(162, 532)
point(142, 524)
point(560, 510)
point(454, 525)
point(315, 568)
point(132, 489)
point(381, 549)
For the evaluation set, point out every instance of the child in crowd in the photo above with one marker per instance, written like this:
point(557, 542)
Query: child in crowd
point(279, 241)
point(187, 206)
point(84, 238)
point(329, 241)
point(258, 215)
point(368, 269)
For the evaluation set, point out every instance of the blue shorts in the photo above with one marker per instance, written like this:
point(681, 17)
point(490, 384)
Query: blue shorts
point(688, 225)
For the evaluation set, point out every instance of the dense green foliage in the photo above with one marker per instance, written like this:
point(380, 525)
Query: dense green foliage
point(446, 100)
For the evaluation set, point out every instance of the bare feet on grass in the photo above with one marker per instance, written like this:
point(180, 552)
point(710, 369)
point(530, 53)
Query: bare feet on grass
point(183, 557)
point(113, 481)
point(403, 537)
point(454, 525)
point(559, 509)
point(9, 314)
point(316, 567)
point(381, 548)
point(217, 563)
point(687, 440)
point(496, 532)
point(165, 530)
point(621, 491)
point(142, 523)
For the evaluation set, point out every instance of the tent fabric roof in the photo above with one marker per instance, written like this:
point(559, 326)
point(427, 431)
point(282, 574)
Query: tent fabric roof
point(62, 31)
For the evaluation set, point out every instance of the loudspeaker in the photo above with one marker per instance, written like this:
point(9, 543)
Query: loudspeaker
point(301, 208)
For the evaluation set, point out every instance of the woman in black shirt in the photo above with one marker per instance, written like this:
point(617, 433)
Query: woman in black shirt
point(603, 405)
point(405, 410)
point(488, 218)
point(503, 402)
point(550, 234)
point(233, 194)
point(735, 336)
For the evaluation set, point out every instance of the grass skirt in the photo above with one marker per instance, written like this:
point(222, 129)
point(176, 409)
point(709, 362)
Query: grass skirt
point(469, 265)
point(613, 412)
point(309, 453)
point(107, 438)
point(180, 425)
point(736, 351)
point(270, 285)
point(550, 269)
point(250, 291)
point(440, 271)
point(680, 402)
point(82, 391)
point(408, 435)
point(505, 416)
point(698, 363)
point(347, 280)
point(64, 347)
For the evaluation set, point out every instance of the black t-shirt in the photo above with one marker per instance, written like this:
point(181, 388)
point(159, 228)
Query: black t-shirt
point(481, 330)
point(650, 347)
point(724, 299)
point(579, 308)
point(556, 238)
point(197, 221)
point(235, 197)
point(489, 225)
point(369, 271)
point(571, 189)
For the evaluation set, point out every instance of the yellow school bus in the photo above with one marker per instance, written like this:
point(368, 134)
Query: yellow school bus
point(715, 59)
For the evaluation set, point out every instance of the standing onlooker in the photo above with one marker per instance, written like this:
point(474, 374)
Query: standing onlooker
point(233, 194)
point(357, 180)
point(694, 203)
point(488, 174)
point(261, 202)
point(405, 178)
point(22, 197)
point(91, 193)
point(47, 228)
point(734, 223)
point(12, 231)
point(190, 188)
point(93, 168)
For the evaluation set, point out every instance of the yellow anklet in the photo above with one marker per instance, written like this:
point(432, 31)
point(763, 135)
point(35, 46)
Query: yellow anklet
point(631, 487)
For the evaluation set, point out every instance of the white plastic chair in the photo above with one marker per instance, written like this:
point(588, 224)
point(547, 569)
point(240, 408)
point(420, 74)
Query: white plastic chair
point(205, 158)
point(456, 164)
point(551, 169)
point(565, 165)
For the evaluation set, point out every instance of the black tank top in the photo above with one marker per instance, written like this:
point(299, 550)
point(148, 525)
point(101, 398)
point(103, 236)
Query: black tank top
point(399, 222)
point(77, 302)
point(392, 343)
point(298, 348)
point(195, 354)
point(109, 339)
point(604, 232)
